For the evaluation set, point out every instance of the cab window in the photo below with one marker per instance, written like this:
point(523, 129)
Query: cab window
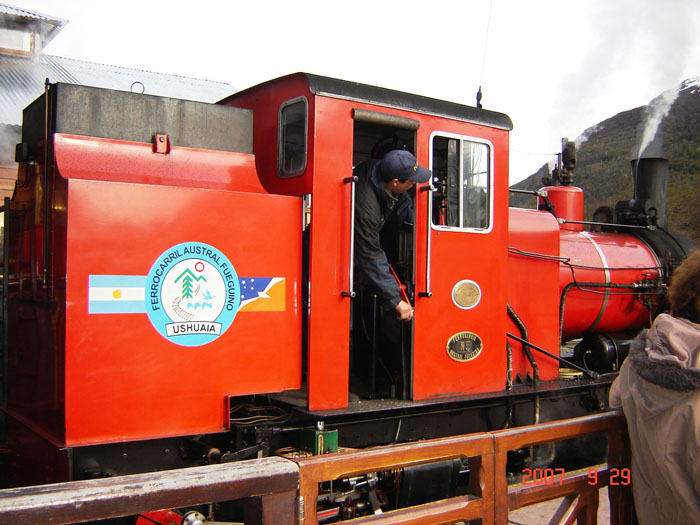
point(292, 133)
point(462, 177)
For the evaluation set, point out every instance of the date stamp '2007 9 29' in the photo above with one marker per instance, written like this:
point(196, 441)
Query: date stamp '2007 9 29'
point(548, 476)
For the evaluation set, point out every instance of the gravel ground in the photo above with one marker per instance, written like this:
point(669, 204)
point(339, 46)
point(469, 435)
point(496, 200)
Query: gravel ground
point(541, 513)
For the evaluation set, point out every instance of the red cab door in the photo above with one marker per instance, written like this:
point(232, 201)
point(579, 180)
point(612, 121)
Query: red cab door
point(460, 305)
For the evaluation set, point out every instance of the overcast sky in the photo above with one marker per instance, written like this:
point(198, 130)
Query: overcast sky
point(556, 67)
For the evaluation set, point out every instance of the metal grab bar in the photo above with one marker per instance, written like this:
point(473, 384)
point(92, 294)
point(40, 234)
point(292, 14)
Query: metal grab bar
point(351, 269)
point(5, 295)
point(428, 190)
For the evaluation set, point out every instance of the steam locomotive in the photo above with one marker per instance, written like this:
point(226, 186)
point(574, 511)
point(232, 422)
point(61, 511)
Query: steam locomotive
point(181, 286)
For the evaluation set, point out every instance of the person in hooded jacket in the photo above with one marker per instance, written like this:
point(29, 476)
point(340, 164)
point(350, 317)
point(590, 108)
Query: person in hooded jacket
point(658, 389)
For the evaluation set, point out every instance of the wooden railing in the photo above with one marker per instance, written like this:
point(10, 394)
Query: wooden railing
point(490, 498)
point(477, 447)
point(268, 485)
point(579, 489)
point(280, 491)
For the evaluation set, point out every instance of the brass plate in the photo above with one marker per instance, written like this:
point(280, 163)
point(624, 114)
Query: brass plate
point(464, 346)
point(466, 294)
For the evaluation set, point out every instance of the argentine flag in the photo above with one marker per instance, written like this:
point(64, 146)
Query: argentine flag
point(117, 294)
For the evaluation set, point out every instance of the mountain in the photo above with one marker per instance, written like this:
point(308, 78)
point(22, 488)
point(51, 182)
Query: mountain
point(670, 127)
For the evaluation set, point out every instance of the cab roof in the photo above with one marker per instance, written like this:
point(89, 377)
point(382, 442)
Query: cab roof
point(343, 89)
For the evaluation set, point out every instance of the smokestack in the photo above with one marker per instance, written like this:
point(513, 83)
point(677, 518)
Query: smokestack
point(650, 175)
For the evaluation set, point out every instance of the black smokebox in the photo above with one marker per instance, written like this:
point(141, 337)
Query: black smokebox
point(648, 207)
point(650, 175)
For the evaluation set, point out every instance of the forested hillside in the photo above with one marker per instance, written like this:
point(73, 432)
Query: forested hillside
point(604, 152)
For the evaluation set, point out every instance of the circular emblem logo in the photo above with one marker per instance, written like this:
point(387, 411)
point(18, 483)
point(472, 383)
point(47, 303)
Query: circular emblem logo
point(466, 294)
point(464, 346)
point(192, 294)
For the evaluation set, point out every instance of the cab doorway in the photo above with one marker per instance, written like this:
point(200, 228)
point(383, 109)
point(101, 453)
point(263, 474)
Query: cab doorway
point(380, 344)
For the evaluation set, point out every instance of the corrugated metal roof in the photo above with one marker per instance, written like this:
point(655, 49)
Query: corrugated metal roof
point(47, 26)
point(22, 81)
point(25, 13)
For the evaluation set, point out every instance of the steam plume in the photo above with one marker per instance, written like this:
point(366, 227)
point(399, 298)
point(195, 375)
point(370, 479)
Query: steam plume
point(655, 112)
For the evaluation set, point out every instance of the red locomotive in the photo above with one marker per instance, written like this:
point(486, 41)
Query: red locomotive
point(181, 280)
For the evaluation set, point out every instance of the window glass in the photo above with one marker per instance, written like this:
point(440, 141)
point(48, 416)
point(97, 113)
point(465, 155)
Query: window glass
point(292, 138)
point(461, 171)
point(475, 185)
point(16, 40)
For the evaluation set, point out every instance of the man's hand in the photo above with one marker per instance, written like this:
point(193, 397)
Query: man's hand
point(404, 311)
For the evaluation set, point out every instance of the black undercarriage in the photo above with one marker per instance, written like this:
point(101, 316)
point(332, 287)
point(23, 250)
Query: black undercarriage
point(263, 425)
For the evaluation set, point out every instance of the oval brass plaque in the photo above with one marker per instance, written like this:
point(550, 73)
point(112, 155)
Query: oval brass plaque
point(464, 346)
point(466, 294)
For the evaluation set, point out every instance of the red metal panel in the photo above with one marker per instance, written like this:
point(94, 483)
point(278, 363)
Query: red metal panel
point(114, 160)
point(568, 204)
point(457, 256)
point(329, 313)
point(533, 288)
point(265, 100)
point(600, 258)
point(124, 380)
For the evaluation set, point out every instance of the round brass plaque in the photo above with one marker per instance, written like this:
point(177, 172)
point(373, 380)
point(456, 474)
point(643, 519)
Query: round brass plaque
point(464, 346)
point(466, 294)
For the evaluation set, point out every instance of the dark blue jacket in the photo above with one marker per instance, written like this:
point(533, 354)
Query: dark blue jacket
point(376, 211)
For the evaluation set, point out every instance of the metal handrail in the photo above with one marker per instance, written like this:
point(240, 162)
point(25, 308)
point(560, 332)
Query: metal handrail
point(429, 189)
point(351, 264)
point(5, 298)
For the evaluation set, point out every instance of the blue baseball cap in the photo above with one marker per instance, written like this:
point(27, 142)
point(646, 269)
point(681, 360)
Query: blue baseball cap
point(402, 164)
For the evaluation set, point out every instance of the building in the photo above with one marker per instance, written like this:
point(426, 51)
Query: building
point(24, 69)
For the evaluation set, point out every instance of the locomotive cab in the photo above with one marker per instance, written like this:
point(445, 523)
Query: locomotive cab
point(451, 260)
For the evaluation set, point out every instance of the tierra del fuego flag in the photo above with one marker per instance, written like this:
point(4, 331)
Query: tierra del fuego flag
point(262, 294)
point(126, 294)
